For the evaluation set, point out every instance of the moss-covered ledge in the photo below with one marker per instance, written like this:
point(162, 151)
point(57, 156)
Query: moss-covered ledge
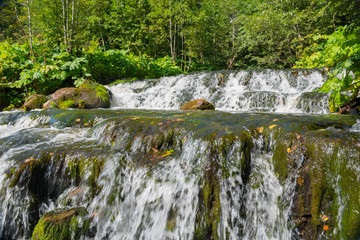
point(67, 224)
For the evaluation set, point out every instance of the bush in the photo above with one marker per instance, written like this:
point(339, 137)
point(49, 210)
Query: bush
point(340, 51)
point(53, 68)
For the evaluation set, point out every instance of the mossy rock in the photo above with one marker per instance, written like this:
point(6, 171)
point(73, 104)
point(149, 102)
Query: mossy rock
point(73, 223)
point(90, 95)
point(198, 104)
point(35, 101)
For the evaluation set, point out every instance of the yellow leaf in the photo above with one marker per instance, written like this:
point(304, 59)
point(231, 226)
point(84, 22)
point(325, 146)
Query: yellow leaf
point(188, 114)
point(275, 120)
point(159, 123)
point(86, 124)
point(260, 129)
point(179, 120)
point(29, 160)
point(272, 126)
point(289, 150)
point(78, 119)
point(324, 218)
point(167, 153)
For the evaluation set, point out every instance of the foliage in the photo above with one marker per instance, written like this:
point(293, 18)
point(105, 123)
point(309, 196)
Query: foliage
point(56, 68)
point(340, 51)
point(103, 40)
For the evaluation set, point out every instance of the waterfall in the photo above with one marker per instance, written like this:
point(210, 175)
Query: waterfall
point(155, 174)
point(281, 91)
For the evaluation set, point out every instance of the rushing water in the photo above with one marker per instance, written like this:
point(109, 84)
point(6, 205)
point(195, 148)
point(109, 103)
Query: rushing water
point(283, 91)
point(151, 174)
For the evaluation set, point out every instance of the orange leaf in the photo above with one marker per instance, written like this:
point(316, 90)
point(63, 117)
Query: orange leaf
point(300, 181)
point(326, 227)
point(259, 129)
point(155, 150)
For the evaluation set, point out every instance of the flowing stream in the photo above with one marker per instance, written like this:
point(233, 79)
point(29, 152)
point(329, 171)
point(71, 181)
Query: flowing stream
point(282, 91)
point(159, 173)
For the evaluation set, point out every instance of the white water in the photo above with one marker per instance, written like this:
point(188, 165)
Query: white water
point(282, 91)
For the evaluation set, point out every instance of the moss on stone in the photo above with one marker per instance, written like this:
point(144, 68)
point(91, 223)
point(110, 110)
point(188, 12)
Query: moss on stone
point(280, 160)
point(66, 104)
point(62, 225)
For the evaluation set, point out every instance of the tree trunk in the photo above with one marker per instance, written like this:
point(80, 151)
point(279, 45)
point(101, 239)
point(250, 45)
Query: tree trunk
point(30, 29)
point(171, 40)
point(64, 21)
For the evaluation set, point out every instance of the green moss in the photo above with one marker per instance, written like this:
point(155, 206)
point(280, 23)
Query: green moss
point(96, 168)
point(81, 104)
point(280, 160)
point(67, 104)
point(62, 225)
point(212, 205)
point(101, 91)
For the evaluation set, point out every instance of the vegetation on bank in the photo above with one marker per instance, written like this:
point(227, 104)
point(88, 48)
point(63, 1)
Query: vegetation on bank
point(46, 44)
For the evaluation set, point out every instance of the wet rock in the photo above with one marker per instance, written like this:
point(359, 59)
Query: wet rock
point(351, 107)
point(35, 101)
point(73, 223)
point(198, 104)
point(89, 96)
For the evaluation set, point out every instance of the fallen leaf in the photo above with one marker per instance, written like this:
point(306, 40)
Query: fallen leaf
point(51, 154)
point(300, 181)
point(289, 150)
point(179, 120)
point(167, 153)
point(188, 114)
point(298, 136)
point(95, 214)
point(29, 160)
point(78, 119)
point(326, 227)
point(86, 124)
point(272, 126)
point(275, 120)
point(155, 150)
point(159, 123)
point(260, 129)
point(324, 218)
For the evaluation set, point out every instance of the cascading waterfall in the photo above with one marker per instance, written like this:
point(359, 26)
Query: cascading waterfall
point(155, 174)
point(283, 91)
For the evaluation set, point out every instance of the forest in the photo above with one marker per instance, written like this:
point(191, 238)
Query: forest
point(48, 44)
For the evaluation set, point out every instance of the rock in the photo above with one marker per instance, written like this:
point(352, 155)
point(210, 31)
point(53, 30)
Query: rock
point(351, 107)
point(35, 101)
point(73, 223)
point(87, 96)
point(198, 104)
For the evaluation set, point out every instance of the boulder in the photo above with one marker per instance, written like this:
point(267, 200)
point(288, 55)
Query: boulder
point(87, 96)
point(73, 223)
point(198, 104)
point(35, 101)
